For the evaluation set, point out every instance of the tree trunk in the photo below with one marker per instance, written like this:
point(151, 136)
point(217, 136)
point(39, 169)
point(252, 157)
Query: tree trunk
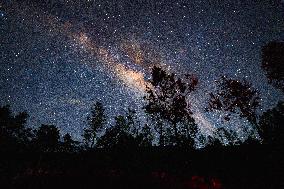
point(93, 140)
point(176, 133)
point(162, 143)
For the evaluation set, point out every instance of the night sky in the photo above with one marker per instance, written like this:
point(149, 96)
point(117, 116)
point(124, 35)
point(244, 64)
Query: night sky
point(58, 57)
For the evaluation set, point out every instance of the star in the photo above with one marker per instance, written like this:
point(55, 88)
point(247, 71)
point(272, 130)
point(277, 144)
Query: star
point(56, 61)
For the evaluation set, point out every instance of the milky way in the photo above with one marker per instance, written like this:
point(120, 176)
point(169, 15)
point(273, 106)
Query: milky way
point(58, 57)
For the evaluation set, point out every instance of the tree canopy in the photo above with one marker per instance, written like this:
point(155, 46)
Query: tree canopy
point(167, 100)
point(273, 63)
point(271, 126)
point(234, 96)
point(96, 122)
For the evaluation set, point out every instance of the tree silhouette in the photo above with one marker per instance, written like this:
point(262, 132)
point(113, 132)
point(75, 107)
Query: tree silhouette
point(96, 122)
point(47, 138)
point(235, 95)
point(225, 135)
point(118, 136)
point(132, 122)
point(145, 137)
point(13, 134)
point(213, 142)
point(167, 100)
point(273, 63)
point(188, 132)
point(68, 144)
point(271, 126)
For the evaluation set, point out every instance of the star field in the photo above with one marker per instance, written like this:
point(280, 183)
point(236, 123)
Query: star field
point(58, 57)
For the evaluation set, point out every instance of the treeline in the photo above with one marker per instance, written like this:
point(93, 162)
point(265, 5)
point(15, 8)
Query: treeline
point(170, 114)
point(15, 137)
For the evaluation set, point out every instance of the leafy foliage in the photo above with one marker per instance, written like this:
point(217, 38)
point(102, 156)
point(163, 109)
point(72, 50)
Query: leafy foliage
point(145, 137)
point(68, 144)
point(47, 138)
point(167, 100)
point(271, 126)
point(96, 122)
point(13, 133)
point(118, 136)
point(234, 96)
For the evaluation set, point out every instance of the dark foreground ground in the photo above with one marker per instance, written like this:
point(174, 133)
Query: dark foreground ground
point(233, 168)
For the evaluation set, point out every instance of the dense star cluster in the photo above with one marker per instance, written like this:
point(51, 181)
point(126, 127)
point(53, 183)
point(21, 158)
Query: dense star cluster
point(57, 57)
